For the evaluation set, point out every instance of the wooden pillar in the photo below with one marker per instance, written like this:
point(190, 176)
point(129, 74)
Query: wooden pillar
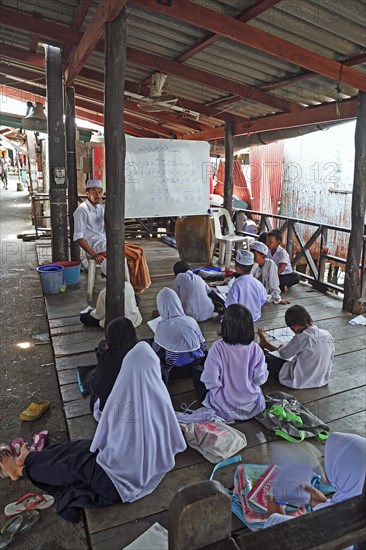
point(352, 283)
point(56, 154)
point(115, 153)
point(229, 161)
point(71, 168)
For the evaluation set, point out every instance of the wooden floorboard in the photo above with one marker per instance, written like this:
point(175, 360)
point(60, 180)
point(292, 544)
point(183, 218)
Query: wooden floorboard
point(341, 403)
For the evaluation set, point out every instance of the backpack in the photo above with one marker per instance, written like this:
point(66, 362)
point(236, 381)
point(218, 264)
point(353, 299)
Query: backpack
point(289, 419)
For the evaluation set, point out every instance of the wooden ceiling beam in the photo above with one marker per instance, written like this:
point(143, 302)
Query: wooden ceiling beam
point(19, 54)
point(209, 80)
point(246, 15)
point(79, 17)
point(242, 33)
point(311, 115)
point(107, 11)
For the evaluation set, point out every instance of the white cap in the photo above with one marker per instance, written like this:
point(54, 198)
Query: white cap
point(260, 247)
point(103, 266)
point(94, 183)
point(244, 257)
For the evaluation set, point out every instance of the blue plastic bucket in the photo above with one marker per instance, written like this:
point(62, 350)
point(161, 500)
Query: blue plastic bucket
point(51, 278)
point(71, 272)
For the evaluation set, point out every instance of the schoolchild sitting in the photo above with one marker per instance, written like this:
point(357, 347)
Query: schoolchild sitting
point(263, 237)
point(178, 339)
point(345, 467)
point(279, 255)
point(96, 317)
point(120, 339)
point(265, 270)
point(246, 290)
point(133, 448)
point(193, 292)
point(306, 361)
point(235, 369)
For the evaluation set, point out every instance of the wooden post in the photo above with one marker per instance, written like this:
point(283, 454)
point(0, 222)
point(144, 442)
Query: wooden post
point(352, 282)
point(71, 168)
point(56, 154)
point(200, 515)
point(229, 161)
point(115, 153)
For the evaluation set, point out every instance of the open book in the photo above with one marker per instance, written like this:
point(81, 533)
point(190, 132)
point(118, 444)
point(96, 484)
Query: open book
point(154, 323)
point(258, 494)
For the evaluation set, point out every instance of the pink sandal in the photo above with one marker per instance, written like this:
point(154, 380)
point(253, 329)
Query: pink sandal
point(39, 440)
point(30, 501)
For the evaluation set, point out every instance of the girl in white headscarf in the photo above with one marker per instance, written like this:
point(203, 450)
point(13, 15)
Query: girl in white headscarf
point(133, 448)
point(345, 466)
point(178, 339)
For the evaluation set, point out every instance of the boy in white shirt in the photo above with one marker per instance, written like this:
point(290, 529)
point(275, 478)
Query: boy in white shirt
point(265, 270)
point(279, 255)
point(96, 317)
point(306, 361)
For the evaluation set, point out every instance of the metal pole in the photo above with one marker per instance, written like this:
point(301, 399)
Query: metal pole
point(56, 154)
point(115, 152)
point(71, 168)
point(229, 161)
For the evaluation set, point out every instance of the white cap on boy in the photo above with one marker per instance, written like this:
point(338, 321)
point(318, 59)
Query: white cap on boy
point(94, 183)
point(244, 257)
point(260, 247)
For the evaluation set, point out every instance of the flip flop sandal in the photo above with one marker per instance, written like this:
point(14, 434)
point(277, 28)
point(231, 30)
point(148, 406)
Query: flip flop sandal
point(34, 411)
point(28, 502)
point(10, 530)
point(39, 440)
point(16, 446)
point(29, 520)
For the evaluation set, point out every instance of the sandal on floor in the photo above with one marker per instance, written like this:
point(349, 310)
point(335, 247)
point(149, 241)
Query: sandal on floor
point(28, 502)
point(16, 446)
point(34, 411)
point(17, 526)
point(39, 441)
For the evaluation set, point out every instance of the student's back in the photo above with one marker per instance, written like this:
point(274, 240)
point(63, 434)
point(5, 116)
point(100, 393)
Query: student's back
point(313, 349)
point(193, 293)
point(248, 292)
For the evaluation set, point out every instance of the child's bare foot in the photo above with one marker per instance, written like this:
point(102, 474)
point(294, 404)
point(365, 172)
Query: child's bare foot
point(24, 452)
point(155, 314)
point(8, 465)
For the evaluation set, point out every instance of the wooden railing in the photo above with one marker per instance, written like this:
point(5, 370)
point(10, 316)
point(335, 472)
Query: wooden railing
point(294, 240)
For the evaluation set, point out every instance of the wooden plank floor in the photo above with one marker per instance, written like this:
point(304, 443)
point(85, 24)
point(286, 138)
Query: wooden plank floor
point(341, 404)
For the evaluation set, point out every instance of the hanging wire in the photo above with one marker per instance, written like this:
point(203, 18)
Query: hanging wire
point(338, 90)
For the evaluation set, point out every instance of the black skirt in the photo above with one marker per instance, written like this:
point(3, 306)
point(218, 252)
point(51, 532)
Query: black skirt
point(70, 470)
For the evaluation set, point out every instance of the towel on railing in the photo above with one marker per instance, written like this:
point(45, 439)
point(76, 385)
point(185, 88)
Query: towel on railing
point(138, 268)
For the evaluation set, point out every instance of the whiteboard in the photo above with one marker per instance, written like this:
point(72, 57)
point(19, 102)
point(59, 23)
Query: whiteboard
point(166, 177)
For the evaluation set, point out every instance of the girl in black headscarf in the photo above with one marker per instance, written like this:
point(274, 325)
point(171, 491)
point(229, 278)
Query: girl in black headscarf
point(120, 339)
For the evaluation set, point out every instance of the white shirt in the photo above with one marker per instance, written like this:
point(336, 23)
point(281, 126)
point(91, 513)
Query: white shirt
point(281, 257)
point(313, 349)
point(248, 292)
point(268, 276)
point(193, 293)
point(89, 225)
point(132, 312)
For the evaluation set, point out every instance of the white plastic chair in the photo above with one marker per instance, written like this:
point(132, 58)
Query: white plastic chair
point(91, 277)
point(225, 241)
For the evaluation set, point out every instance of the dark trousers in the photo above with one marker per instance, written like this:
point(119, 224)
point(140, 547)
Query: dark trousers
point(218, 302)
point(192, 370)
point(289, 279)
point(89, 320)
point(274, 364)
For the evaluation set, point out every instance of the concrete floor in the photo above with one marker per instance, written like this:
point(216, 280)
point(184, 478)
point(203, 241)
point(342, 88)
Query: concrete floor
point(27, 374)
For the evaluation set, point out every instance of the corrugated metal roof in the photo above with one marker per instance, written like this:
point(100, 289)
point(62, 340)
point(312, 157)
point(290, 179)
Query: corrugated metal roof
point(336, 30)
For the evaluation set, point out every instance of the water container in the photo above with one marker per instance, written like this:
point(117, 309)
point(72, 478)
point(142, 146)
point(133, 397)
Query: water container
point(71, 272)
point(51, 278)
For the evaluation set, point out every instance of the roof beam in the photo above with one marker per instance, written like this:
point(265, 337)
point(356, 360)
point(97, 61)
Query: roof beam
point(311, 115)
point(209, 80)
point(246, 15)
point(228, 27)
point(107, 11)
point(79, 17)
point(36, 59)
point(44, 29)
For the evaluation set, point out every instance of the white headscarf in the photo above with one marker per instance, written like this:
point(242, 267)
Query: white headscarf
point(176, 331)
point(138, 434)
point(345, 466)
